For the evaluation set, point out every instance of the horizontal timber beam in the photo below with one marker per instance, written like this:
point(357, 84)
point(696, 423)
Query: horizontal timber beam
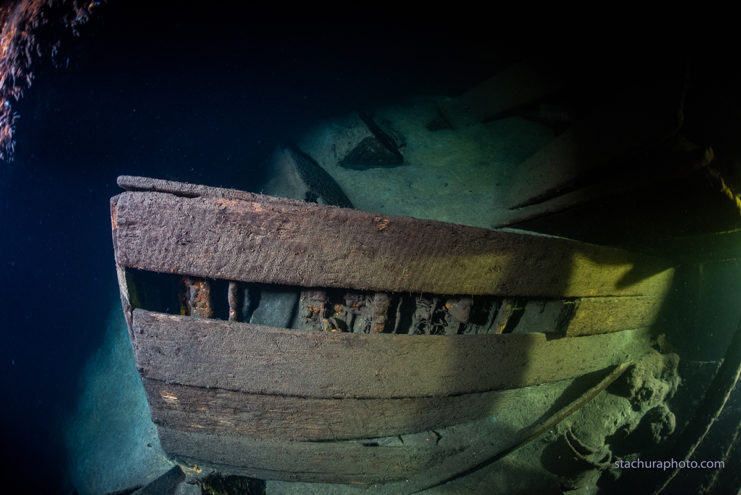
point(263, 360)
point(191, 230)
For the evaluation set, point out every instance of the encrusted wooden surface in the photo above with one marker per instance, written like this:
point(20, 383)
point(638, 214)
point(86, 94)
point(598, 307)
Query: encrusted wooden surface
point(264, 360)
point(234, 235)
point(593, 315)
point(583, 149)
point(587, 315)
point(333, 462)
point(198, 409)
point(676, 162)
point(405, 463)
point(515, 86)
point(300, 405)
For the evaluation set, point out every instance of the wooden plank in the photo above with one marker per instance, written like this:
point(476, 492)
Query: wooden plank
point(678, 162)
point(506, 312)
point(218, 411)
point(544, 424)
point(335, 462)
point(281, 241)
point(416, 460)
point(562, 202)
point(587, 146)
point(594, 315)
point(184, 189)
point(518, 85)
point(123, 288)
point(265, 360)
point(588, 315)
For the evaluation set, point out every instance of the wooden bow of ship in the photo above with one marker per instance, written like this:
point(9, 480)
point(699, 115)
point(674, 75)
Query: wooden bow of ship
point(401, 326)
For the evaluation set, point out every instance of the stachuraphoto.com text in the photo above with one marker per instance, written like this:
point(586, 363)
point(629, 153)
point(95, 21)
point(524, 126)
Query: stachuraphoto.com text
point(668, 464)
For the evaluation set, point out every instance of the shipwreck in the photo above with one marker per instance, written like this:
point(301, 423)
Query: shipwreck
point(389, 332)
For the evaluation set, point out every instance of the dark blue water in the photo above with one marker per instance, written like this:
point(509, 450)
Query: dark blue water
point(184, 93)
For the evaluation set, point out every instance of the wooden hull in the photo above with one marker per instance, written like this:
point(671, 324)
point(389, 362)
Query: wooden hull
point(346, 407)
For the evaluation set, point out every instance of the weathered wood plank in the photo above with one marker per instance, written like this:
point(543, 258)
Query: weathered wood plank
point(280, 241)
point(518, 85)
point(656, 168)
point(544, 424)
point(419, 460)
point(506, 312)
point(227, 412)
point(584, 148)
point(589, 315)
point(333, 462)
point(265, 360)
point(185, 189)
point(594, 315)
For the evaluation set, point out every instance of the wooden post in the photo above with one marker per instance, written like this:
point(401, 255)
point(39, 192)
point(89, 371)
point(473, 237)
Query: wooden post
point(233, 301)
point(198, 297)
point(380, 312)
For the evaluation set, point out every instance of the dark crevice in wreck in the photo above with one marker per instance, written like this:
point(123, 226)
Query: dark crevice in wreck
point(340, 310)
